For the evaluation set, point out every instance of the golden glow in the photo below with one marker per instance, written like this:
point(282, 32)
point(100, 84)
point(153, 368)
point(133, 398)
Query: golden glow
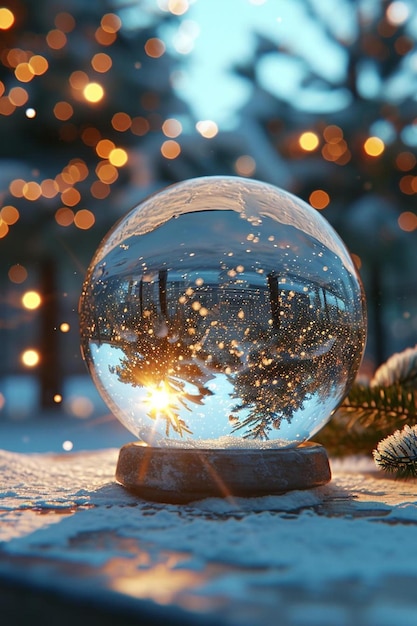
point(101, 62)
point(118, 157)
point(70, 197)
point(308, 141)
point(63, 111)
point(17, 274)
point(38, 64)
point(170, 149)
point(32, 191)
point(245, 165)
point(16, 56)
point(207, 128)
point(30, 113)
point(18, 96)
point(110, 23)
point(9, 214)
point(49, 188)
point(90, 136)
point(407, 221)
point(121, 121)
point(6, 18)
point(408, 184)
point(31, 300)
point(140, 126)
point(100, 189)
point(357, 261)
point(319, 199)
point(56, 39)
point(333, 133)
point(104, 38)
point(30, 358)
point(24, 72)
point(78, 170)
point(154, 47)
point(65, 327)
point(78, 79)
point(172, 128)
point(4, 229)
point(104, 147)
point(16, 187)
point(93, 92)
point(6, 107)
point(159, 398)
point(107, 172)
point(57, 398)
point(405, 161)
point(374, 146)
point(65, 22)
point(84, 219)
point(64, 216)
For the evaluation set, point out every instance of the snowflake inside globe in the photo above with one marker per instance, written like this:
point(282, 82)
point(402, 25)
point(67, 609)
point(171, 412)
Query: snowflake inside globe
point(222, 312)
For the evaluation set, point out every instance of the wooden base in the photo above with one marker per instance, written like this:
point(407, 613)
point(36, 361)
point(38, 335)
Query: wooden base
point(180, 475)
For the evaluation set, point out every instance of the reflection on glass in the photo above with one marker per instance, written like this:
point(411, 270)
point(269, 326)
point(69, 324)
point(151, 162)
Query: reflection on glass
point(222, 311)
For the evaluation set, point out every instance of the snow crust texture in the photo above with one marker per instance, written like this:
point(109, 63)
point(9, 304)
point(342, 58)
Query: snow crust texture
point(336, 555)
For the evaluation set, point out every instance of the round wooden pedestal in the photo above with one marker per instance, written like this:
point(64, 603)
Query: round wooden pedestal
point(180, 475)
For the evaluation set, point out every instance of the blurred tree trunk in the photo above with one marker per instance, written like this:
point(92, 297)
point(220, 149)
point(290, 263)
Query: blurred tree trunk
point(376, 321)
point(50, 372)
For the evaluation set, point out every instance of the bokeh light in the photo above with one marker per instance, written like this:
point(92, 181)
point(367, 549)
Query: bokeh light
point(56, 39)
point(84, 219)
point(6, 18)
point(319, 199)
point(374, 146)
point(207, 128)
point(118, 157)
point(407, 221)
point(170, 149)
point(30, 358)
point(101, 62)
point(63, 111)
point(31, 300)
point(9, 214)
point(245, 165)
point(17, 274)
point(93, 92)
point(308, 141)
point(154, 47)
point(172, 128)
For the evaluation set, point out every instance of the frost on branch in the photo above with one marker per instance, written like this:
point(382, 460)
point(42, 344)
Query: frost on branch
point(397, 453)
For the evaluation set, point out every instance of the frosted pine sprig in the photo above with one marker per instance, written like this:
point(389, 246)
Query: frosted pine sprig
point(397, 453)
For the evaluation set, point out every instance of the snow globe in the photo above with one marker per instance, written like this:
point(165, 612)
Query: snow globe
point(223, 322)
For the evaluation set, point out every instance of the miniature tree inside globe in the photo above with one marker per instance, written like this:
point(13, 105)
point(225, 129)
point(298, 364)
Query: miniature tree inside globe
point(224, 313)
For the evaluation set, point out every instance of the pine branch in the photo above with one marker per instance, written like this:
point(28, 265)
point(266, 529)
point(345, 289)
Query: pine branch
point(370, 413)
point(397, 454)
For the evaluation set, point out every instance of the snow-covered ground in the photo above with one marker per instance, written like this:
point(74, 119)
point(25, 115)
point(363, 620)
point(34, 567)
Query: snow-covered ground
point(337, 555)
point(340, 555)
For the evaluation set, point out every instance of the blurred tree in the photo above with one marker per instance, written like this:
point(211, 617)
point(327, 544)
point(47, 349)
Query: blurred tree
point(88, 116)
point(346, 129)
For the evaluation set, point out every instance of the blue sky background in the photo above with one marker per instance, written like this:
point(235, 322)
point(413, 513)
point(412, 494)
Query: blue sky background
point(222, 33)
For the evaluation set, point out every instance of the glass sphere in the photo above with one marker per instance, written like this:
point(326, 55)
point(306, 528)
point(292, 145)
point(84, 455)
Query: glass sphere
point(222, 312)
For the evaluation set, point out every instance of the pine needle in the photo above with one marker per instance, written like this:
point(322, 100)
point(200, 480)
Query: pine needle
point(397, 453)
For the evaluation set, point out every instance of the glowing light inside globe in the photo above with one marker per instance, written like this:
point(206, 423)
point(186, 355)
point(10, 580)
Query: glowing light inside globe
point(222, 312)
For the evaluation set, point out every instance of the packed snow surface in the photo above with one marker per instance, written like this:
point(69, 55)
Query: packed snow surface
point(335, 555)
